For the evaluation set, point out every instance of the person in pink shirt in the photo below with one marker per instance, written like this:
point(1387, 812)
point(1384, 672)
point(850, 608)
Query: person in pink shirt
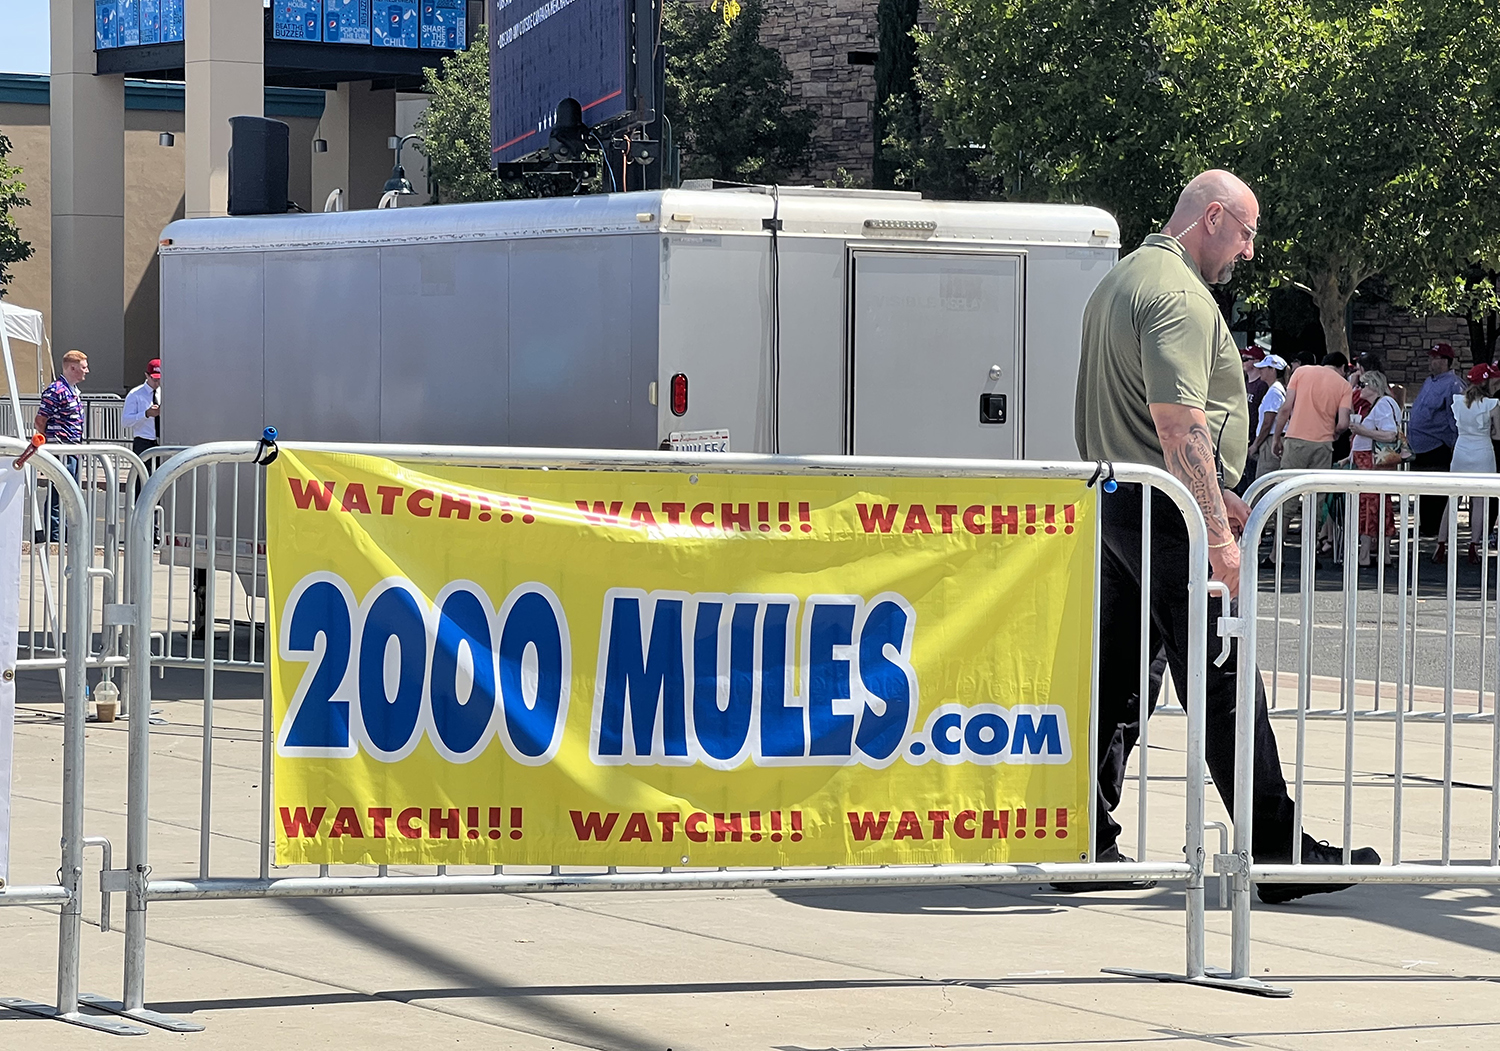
point(1316, 410)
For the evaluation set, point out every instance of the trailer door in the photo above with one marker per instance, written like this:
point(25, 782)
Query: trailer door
point(935, 353)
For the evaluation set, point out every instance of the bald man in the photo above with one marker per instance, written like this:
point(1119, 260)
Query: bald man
point(1160, 383)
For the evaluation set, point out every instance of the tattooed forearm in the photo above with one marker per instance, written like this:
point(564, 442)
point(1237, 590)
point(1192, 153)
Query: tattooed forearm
point(1189, 456)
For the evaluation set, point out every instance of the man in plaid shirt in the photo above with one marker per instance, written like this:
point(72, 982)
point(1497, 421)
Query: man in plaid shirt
point(60, 418)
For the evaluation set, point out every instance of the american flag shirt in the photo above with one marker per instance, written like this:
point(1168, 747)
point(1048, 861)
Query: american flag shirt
point(64, 411)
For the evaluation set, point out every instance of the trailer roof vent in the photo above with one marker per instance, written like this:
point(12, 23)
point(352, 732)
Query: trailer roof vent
point(912, 226)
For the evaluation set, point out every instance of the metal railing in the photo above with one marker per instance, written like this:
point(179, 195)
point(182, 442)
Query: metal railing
point(75, 559)
point(101, 417)
point(218, 484)
point(211, 550)
point(1392, 605)
point(108, 477)
point(1391, 680)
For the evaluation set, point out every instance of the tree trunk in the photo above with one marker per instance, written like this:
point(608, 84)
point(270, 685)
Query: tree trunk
point(895, 77)
point(1332, 298)
point(1483, 330)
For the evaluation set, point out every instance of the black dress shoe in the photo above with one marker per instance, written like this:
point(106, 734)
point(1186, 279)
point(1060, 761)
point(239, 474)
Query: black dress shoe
point(1084, 887)
point(1315, 853)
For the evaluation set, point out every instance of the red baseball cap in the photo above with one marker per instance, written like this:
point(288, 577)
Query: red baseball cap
point(153, 367)
point(1442, 350)
point(1482, 373)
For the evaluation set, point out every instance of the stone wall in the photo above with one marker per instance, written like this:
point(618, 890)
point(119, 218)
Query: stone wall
point(814, 40)
point(1402, 339)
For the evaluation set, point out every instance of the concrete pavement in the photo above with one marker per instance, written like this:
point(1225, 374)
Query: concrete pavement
point(979, 968)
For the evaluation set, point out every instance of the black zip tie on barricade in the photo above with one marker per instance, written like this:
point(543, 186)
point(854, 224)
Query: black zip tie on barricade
point(267, 453)
point(1106, 468)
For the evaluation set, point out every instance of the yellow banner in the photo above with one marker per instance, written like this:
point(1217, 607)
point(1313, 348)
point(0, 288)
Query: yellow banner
point(486, 666)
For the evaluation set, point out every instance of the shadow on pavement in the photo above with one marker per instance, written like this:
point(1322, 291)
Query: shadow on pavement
point(1025, 899)
point(557, 1020)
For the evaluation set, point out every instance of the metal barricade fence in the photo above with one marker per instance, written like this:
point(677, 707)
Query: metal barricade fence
point(219, 491)
point(1387, 651)
point(101, 417)
point(75, 560)
point(108, 477)
point(190, 540)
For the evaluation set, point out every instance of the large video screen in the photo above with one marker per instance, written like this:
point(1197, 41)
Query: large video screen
point(150, 21)
point(297, 19)
point(346, 21)
point(440, 25)
point(171, 20)
point(394, 24)
point(445, 23)
point(130, 23)
point(545, 51)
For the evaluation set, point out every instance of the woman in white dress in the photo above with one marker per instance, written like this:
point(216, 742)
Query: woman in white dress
point(1472, 454)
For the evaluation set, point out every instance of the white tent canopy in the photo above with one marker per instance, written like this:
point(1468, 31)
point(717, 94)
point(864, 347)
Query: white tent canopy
point(25, 326)
point(22, 323)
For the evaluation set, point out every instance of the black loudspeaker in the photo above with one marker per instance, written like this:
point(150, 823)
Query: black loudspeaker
point(259, 166)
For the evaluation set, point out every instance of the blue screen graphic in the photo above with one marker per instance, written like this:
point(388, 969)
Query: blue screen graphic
point(394, 24)
point(297, 19)
point(171, 20)
point(434, 24)
point(346, 21)
point(128, 23)
point(445, 24)
point(150, 21)
point(544, 51)
point(106, 33)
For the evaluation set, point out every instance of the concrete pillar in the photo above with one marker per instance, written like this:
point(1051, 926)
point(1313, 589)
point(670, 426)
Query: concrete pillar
point(357, 125)
point(330, 170)
point(226, 77)
point(88, 201)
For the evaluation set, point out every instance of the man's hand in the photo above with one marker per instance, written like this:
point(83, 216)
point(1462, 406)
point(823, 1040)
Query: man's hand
point(153, 412)
point(1237, 510)
point(1277, 445)
point(1224, 566)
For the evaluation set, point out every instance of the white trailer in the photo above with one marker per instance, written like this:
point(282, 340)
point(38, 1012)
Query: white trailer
point(799, 320)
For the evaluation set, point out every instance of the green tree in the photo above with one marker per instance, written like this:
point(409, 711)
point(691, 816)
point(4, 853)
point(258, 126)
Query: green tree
point(1369, 132)
point(895, 83)
point(1056, 100)
point(728, 96)
point(12, 196)
point(456, 127)
point(1473, 295)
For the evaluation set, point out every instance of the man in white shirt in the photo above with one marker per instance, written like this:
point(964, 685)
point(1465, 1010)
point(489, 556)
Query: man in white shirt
point(143, 408)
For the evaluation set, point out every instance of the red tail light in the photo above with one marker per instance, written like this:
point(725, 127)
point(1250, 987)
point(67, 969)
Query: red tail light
point(679, 394)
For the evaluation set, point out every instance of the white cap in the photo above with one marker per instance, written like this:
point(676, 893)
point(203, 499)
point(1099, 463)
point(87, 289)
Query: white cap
point(1271, 361)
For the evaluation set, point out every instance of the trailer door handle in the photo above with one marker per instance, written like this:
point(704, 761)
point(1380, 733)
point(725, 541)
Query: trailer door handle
point(992, 408)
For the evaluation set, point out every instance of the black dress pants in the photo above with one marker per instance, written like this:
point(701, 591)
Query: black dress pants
point(1119, 671)
point(1431, 509)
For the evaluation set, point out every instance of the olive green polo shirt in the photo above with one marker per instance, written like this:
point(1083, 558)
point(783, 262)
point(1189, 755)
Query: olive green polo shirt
point(1152, 333)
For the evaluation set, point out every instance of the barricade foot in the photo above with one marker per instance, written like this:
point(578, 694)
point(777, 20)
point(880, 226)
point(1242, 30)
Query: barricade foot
point(141, 1014)
point(1213, 979)
point(104, 1024)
